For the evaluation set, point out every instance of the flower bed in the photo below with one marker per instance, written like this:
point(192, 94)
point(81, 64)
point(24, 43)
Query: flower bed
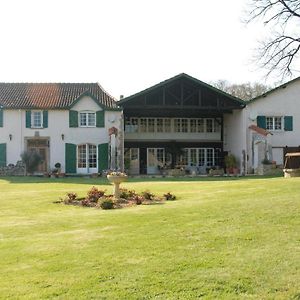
point(98, 199)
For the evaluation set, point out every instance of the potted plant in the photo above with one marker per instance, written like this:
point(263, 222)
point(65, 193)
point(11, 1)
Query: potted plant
point(58, 167)
point(265, 167)
point(231, 164)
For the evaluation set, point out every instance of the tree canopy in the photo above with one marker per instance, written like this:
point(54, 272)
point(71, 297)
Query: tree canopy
point(244, 91)
point(278, 53)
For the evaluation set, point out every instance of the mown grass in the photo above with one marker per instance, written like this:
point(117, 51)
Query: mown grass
point(222, 239)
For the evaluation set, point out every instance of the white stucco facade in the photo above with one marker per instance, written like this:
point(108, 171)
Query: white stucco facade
point(235, 137)
point(282, 102)
point(58, 132)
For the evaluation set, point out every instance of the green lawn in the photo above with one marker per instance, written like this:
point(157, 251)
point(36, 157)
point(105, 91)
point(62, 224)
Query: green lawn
point(222, 239)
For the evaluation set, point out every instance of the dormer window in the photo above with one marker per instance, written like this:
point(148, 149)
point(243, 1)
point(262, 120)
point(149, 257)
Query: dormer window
point(36, 119)
point(87, 119)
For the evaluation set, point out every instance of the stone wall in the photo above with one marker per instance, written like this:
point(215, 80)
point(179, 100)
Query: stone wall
point(13, 170)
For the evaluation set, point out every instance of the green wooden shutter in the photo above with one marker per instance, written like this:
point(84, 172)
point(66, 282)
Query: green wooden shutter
point(1, 118)
point(45, 119)
point(261, 122)
point(100, 118)
point(102, 157)
point(73, 118)
point(70, 156)
point(2, 155)
point(288, 123)
point(28, 118)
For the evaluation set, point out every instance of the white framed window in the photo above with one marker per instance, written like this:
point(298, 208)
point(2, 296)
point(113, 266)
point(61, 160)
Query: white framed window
point(87, 119)
point(151, 125)
point(274, 123)
point(159, 125)
point(143, 125)
point(167, 125)
point(36, 119)
point(87, 156)
point(209, 125)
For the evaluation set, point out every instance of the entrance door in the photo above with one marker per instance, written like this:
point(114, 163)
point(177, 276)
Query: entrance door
point(40, 146)
point(87, 160)
point(132, 160)
point(155, 159)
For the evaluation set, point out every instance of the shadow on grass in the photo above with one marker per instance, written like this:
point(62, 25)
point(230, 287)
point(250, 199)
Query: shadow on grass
point(104, 181)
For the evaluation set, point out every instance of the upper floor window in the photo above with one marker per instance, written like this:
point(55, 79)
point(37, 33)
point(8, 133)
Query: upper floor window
point(36, 119)
point(87, 119)
point(274, 123)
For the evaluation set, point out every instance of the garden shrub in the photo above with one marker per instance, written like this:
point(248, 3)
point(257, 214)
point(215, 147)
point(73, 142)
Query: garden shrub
point(94, 194)
point(169, 196)
point(148, 195)
point(70, 197)
point(138, 199)
point(127, 194)
point(106, 203)
point(31, 159)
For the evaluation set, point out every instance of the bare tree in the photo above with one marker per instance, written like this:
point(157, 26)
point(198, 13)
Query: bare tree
point(279, 52)
point(244, 91)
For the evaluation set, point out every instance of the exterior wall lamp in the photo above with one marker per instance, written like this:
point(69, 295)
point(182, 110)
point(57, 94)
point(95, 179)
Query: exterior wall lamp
point(62, 136)
point(10, 136)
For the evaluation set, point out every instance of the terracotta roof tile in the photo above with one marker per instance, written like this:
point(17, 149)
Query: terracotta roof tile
point(51, 95)
point(260, 130)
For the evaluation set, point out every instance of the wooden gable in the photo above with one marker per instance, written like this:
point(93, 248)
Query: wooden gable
point(180, 95)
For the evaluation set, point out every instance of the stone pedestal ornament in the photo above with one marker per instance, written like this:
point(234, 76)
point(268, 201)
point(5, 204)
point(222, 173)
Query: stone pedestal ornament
point(116, 178)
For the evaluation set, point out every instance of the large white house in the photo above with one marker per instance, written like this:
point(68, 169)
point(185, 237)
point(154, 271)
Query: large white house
point(66, 123)
point(277, 112)
point(181, 121)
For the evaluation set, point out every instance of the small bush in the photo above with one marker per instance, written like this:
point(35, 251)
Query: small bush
point(70, 197)
point(169, 196)
point(31, 159)
point(106, 203)
point(148, 195)
point(138, 199)
point(127, 194)
point(85, 202)
point(94, 194)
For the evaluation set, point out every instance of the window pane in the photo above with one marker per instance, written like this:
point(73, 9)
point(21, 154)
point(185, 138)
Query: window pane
point(209, 125)
point(177, 123)
point(81, 156)
point(91, 119)
point(134, 153)
point(151, 123)
point(200, 125)
point(92, 156)
point(193, 125)
point(209, 157)
point(37, 119)
point(167, 125)
point(160, 157)
point(201, 157)
point(185, 157)
point(277, 122)
point(151, 157)
point(143, 125)
point(184, 125)
point(83, 121)
point(193, 157)
point(269, 123)
point(159, 125)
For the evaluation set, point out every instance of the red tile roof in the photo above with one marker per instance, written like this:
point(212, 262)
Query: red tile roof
point(51, 95)
point(260, 130)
